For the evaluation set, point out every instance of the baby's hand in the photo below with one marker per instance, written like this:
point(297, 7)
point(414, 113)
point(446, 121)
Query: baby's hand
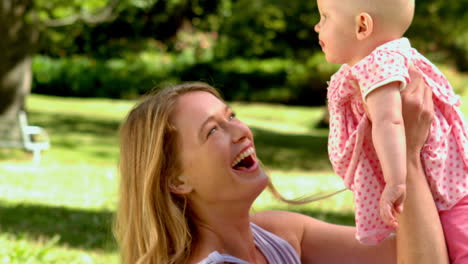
point(391, 203)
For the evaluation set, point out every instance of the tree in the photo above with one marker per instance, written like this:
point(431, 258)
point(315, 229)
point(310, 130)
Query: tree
point(138, 23)
point(441, 27)
point(21, 24)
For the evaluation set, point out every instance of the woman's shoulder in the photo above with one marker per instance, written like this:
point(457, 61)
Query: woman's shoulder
point(273, 218)
point(281, 219)
point(287, 225)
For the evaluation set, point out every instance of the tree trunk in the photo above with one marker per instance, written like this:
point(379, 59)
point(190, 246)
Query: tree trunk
point(17, 42)
point(15, 86)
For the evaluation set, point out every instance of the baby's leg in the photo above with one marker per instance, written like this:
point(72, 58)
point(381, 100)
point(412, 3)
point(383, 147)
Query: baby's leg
point(455, 224)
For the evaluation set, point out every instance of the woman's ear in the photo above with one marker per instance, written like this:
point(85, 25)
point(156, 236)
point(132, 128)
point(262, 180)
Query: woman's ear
point(364, 26)
point(180, 186)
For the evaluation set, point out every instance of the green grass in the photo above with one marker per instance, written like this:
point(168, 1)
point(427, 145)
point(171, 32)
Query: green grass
point(61, 210)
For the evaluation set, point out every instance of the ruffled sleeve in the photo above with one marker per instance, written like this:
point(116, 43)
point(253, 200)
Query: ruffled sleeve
point(380, 68)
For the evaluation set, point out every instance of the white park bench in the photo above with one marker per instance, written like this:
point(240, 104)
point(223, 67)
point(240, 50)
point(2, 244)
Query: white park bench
point(24, 136)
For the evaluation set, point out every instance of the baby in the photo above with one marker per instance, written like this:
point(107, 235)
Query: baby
point(367, 136)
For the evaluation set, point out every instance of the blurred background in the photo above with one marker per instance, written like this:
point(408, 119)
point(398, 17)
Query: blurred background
point(76, 67)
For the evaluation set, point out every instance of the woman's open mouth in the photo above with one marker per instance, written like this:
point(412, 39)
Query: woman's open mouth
point(245, 161)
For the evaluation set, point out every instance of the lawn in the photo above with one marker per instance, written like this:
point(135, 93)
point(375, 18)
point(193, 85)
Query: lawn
point(61, 211)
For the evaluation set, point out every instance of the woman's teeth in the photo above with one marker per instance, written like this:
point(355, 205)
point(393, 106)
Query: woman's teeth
point(243, 155)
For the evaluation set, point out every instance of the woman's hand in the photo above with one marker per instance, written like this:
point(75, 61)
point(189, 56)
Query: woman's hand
point(418, 111)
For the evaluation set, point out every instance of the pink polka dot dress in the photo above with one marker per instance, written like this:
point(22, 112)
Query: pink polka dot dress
point(352, 154)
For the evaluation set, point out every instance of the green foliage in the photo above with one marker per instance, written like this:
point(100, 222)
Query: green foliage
point(114, 78)
point(254, 29)
point(243, 79)
point(268, 28)
point(440, 28)
point(244, 28)
point(268, 80)
point(136, 22)
point(55, 9)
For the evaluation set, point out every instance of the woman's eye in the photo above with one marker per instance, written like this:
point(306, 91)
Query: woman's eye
point(232, 115)
point(214, 129)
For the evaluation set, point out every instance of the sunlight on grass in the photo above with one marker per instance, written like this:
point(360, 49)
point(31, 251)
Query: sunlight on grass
point(298, 184)
point(88, 107)
point(21, 250)
point(459, 81)
point(77, 185)
point(464, 106)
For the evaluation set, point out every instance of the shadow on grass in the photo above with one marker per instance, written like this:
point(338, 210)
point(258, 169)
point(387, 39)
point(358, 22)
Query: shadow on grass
point(88, 229)
point(290, 151)
point(77, 228)
point(58, 124)
point(97, 137)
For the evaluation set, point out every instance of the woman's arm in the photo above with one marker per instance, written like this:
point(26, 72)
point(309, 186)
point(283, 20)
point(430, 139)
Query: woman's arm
point(420, 238)
point(318, 242)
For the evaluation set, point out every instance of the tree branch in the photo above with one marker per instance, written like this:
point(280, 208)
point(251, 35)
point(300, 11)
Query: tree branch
point(103, 15)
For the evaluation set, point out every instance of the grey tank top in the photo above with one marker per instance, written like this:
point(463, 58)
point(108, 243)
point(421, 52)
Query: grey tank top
point(275, 249)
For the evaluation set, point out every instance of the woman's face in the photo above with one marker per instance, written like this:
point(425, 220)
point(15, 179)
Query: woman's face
point(216, 150)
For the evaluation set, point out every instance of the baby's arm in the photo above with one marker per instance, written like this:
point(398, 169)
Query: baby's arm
point(388, 136)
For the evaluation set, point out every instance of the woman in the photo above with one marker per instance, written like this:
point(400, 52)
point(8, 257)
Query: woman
point(189, 176)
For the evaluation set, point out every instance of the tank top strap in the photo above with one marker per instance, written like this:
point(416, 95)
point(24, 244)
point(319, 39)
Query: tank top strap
point(275, 249)
point(215, 257)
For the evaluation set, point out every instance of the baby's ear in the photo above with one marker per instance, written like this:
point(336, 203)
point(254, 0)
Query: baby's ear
point(180, 185)
point(364, 26)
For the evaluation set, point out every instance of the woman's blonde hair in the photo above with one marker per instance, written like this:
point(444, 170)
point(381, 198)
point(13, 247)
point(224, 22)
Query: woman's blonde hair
point(151, 225)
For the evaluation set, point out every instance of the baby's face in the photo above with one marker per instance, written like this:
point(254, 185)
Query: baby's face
point(336, 31)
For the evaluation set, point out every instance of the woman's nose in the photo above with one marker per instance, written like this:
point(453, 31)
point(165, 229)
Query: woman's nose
point(239, 131)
